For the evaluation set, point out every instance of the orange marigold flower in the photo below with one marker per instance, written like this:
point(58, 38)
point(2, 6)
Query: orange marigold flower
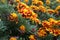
point(32, 37)
point(41, 32)
point(47, 2)
point(46, 24)
point(33, 7)
point(22, 28)
point(26, 13)
point(13, 17)
point(39, 3)
point(42, 9)
point(13, 38)
point(55, 32)
point(34, 1)
point(50, 11)
point(52, 21)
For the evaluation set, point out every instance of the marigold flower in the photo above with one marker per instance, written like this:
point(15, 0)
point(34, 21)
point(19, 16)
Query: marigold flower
point(39, 3)
point(33, 7)
point(32, 37)
point(41, 32)
point(50, 11)
point(13, 38)
point(22, 28)
point(42, 9)
point(48, 2)
point(34, 1)
point(54, 32)
point(52, 21)
point(26, 13)
point(46, 24)
point(13, 17)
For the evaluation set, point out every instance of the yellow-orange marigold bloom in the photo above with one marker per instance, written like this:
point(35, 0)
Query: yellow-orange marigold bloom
point(46, 24)
point(50, 11)
point(52, 21)
point(34, 1)
point(13, 17)
point(47, 2)
point(39, 3)
point(42, 9)
point(22, 28)
point(41, 32)
point(55, 32)
point(32, 37)
point(33, 7)
point(13, 38)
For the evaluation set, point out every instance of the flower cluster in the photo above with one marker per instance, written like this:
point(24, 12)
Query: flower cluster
point(49, 26)
point(27, 13)
point(38, 5)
